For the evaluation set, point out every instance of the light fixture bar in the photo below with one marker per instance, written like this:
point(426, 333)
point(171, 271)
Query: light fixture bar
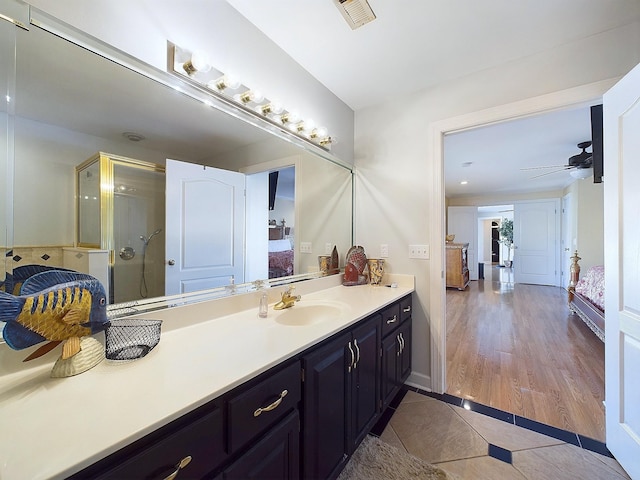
point(195, 68)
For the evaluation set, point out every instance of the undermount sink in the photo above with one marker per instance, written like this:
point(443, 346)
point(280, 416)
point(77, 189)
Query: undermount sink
point(310, 314)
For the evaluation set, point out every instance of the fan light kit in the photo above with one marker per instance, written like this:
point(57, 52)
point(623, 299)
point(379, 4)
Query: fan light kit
point(580, 165)
point(195, 67)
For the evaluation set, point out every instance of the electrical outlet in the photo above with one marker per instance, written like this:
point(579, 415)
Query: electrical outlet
point(419, 251)
point(328, 248)
point(305, 247)
point(384, 250)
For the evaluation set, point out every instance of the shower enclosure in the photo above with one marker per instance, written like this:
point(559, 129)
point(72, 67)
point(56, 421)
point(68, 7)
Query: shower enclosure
point(121, 208)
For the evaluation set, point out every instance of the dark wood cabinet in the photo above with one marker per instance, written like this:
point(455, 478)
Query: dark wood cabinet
point(324, 443)
point(302, 418)
point(341, 392)
point(365, 381)
point(396, 350)
point(196, 440)
point(274, 456)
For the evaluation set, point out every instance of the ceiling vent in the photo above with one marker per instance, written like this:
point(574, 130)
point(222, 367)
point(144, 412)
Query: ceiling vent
point(355, 12)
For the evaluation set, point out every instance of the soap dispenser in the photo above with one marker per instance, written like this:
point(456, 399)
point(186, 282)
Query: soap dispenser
point(264, 306)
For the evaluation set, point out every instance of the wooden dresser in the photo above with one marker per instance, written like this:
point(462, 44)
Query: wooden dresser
point(457, 268)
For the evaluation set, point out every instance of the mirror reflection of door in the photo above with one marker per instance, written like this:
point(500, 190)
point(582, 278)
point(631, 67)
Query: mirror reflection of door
point(205, 221)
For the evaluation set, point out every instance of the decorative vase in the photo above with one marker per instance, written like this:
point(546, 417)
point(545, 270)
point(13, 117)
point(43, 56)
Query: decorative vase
point(376, 270)
point(324, 263)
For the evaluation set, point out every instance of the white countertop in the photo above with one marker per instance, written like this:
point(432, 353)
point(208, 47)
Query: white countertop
point(52, 428)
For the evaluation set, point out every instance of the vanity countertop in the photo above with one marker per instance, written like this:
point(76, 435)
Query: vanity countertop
point(51, 428)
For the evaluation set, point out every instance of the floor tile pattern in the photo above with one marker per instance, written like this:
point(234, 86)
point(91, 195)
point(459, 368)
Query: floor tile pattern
point(479, 443)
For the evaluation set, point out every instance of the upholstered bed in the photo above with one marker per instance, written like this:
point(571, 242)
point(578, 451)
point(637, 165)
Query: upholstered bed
point(586, 295)
point(280, 258)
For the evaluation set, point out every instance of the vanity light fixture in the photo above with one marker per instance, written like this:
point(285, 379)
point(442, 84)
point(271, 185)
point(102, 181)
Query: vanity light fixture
point(195, 67)
point(199, 62)
point(318, 132)
point(271, 108)
point(288, 117)
point(249, 96)
point(327, 141)
point(224, 82)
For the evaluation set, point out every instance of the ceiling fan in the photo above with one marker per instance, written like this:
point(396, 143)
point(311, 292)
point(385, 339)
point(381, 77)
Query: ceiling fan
point(580, 164)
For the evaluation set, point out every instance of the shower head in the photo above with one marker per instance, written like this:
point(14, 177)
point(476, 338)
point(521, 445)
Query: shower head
point(146, 240)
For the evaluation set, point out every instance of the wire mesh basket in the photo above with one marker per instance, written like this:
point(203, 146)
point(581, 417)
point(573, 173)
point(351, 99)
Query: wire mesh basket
point(131, 338)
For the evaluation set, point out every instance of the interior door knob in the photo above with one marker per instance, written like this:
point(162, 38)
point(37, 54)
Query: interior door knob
point(171, 262)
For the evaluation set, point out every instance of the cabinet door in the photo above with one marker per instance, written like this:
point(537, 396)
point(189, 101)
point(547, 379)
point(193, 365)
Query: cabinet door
point(275, 456)
point(404, 364)
point(389, 385)
point(324, 439)
point(365, 380)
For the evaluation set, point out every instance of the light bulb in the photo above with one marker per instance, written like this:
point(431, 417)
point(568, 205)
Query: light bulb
point(224, 82)
point(199, 62)
point(254, 96)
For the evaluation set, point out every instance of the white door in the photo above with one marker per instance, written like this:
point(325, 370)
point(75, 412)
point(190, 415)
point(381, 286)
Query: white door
point(567, 240)
point(622, 270)
point(536, 234)
point(463, 222)
point(204, 227)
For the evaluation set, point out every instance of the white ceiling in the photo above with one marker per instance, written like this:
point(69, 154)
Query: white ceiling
point(412, 45)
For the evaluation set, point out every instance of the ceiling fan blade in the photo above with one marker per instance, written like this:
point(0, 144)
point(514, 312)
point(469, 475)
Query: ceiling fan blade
point(549, 173)
point(544, 166)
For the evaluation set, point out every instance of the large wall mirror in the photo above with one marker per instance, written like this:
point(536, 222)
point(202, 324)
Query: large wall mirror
point(91, 140)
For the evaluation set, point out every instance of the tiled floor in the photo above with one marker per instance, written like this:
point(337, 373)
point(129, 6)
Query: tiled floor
point(489, 445)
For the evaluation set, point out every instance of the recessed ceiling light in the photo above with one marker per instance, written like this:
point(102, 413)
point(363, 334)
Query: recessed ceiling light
point(463, 182)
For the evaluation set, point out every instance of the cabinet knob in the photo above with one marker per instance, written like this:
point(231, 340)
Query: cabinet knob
point(271, 406)
point(183, 463)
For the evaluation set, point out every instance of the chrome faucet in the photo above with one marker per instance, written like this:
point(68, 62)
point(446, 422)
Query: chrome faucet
point(287, 300)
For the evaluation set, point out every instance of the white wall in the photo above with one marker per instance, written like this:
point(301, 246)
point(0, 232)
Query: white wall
point(142, 28)
point(395, 166)
point(588, 222)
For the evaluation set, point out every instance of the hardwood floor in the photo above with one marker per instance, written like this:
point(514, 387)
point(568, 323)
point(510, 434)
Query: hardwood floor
point(517, 348)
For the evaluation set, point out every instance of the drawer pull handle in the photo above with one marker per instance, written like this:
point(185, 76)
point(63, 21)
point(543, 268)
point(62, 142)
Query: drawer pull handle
point(391, 320)
point(407, 309)
point(399, 351)
point(353, 358)
point(355, 344)
point(275, 404)
point(183, 463)
point(402, 341)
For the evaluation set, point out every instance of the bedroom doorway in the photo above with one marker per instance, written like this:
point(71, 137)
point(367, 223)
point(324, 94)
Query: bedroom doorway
point(501, 338)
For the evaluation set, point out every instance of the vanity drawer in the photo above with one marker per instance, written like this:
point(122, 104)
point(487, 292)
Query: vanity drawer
point(199, 437)
point(405, 308)
point(390, 318)
point(253, 411)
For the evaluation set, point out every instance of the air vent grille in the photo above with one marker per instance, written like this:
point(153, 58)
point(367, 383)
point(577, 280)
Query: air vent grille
point(356, 12)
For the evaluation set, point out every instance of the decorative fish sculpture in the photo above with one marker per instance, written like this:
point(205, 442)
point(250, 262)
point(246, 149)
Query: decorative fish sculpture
point(55, 306)
point(13, 281)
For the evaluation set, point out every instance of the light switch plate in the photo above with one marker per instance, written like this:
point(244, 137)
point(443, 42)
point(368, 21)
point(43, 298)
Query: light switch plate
point(419, 251)
point(305, 247)
point(384, 250)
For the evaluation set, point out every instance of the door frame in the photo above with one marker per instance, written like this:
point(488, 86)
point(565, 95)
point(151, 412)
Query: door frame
point(576, 97)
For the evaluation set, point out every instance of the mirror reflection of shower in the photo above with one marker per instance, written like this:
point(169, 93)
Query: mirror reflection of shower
point(144, 291)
